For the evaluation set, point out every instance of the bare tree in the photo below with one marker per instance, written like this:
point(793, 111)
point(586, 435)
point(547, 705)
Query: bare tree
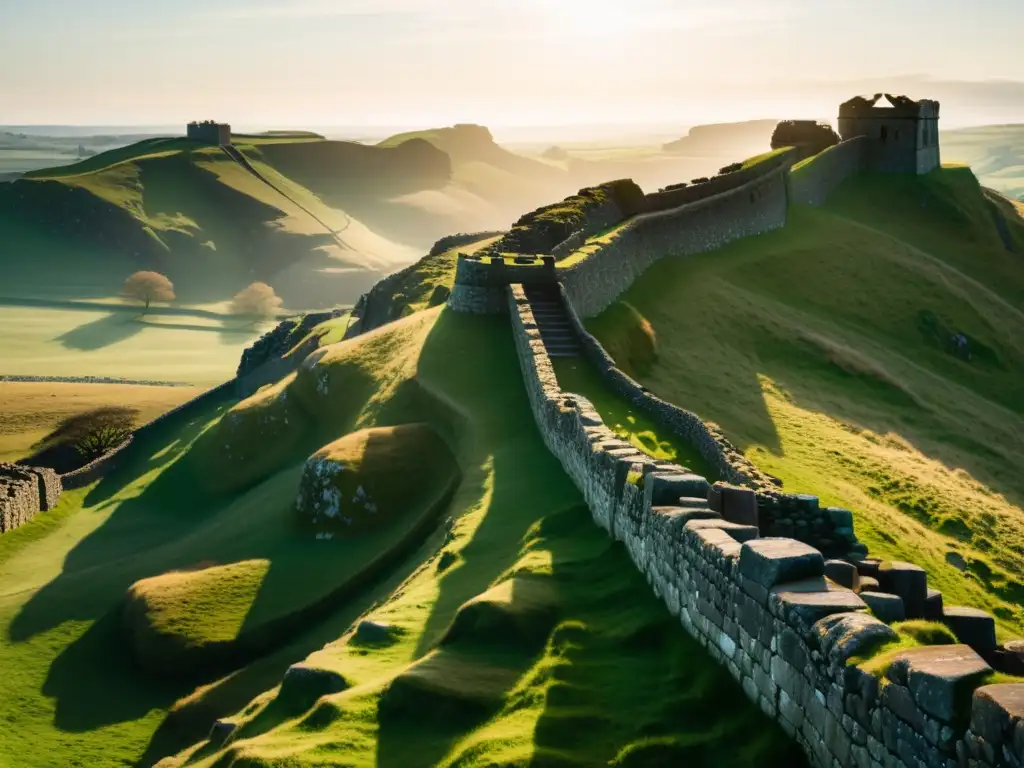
point(257, 300)
point(94, 432)
point(148, 287)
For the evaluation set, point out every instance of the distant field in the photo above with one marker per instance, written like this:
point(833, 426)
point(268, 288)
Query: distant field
point(994, 152)
point(22, 160)
point(31, 409)
point(59, 342)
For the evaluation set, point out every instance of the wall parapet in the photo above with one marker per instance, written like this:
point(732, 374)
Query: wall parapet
point(757, 206)
point(812, 182)
point(724, 182)
point(765, 609)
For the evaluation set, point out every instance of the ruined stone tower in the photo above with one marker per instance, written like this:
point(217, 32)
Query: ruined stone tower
point(209, 132)
point(904, 133)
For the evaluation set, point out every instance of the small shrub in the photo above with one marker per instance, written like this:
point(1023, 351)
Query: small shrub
point(700, 180)
point(94, 432)
point(731, 168)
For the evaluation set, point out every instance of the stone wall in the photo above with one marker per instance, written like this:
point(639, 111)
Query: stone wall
point(716, 185)
point(750, 209)
point(25, 492)
point(378, 307)
point(763, 608)
point(811, 184)
point(780, 514)
point(280, 339)
point(462, 238)
point(590, 210)
point(96, 469)
point(480, 281)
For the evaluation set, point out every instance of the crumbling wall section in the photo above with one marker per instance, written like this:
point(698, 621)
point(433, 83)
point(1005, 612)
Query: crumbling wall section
point(25, 492)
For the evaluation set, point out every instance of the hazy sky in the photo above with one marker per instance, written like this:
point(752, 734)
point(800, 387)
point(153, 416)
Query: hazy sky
point(499, 62)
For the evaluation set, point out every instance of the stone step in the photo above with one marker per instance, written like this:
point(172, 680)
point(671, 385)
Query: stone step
point(574, 348)
point(565, 353)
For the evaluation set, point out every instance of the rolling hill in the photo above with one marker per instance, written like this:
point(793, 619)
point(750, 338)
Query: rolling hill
point(213, 220)
point(838, 331)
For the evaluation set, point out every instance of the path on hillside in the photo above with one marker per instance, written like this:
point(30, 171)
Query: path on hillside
point(235, 154)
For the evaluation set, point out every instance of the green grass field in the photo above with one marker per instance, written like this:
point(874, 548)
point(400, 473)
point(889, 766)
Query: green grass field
point(822, 350)
point(62, 342)
point(32, 409)
point(522, 552)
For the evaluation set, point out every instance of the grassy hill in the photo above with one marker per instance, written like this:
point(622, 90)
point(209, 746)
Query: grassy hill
point(826, 351)
point(497, 648)
point(505, 627)
point(211, 220)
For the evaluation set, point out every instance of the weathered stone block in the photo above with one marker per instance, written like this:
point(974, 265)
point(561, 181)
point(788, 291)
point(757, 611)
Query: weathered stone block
point(740, 533)
point(972, 627)
point(936, 674)
point(845, 634)
point(739, 505)
point(715, 497)
point(909, 582)
point(664, 489)
point(997, 717)
point(888, 608)
point(842, 573)
point(933, 605)
point(869, 584)
point(803, 603)
point(769, 562)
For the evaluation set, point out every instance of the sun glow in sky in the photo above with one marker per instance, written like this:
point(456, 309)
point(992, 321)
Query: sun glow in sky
point(501, 62)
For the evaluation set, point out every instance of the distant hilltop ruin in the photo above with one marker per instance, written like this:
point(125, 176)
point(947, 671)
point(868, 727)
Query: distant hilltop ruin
point(209, 132)
point(903, 133)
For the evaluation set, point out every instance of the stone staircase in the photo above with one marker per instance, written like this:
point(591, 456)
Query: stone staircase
point(556, 330)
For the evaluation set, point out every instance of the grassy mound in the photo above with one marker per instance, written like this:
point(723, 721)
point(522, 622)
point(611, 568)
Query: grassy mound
point(525, 636)
point(214, 222)
point(187, 613)
point(369, 479)
point(628, 337)
point(826, 351)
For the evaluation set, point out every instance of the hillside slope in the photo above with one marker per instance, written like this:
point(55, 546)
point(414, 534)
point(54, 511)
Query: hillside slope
point(492, 645)
point(213, 220)
point(870, 352)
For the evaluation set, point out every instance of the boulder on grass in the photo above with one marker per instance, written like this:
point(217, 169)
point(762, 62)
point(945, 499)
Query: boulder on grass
point(369, 479)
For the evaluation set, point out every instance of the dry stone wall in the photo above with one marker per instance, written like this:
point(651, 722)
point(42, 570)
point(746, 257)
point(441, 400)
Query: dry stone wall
point(481, 281)
point(763, 608)
point(750, 209)
point(779, 514)
point(812, 183)
point(25, 492)
point(716, 185)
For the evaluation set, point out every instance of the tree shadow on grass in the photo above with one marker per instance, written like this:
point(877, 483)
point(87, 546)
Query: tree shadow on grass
point(104, 332)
